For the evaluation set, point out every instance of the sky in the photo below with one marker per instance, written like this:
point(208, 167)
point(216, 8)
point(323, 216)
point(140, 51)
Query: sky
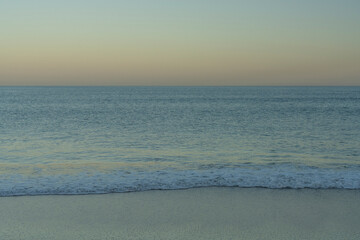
point(180, 42)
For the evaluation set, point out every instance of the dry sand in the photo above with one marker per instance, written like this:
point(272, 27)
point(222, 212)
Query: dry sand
point(203, 213)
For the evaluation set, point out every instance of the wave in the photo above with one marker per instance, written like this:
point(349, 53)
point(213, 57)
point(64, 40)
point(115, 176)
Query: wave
point(117, 181)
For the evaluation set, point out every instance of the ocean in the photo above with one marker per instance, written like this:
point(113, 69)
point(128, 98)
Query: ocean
point(92, 140)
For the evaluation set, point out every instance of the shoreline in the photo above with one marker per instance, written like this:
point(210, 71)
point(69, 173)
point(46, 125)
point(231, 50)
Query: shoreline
point(197, 213)
point(183, 189)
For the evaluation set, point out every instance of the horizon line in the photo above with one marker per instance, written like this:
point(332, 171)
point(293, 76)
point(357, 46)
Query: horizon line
point(180, 85)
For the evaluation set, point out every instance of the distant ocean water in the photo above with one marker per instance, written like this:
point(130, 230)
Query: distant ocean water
point(83, 140)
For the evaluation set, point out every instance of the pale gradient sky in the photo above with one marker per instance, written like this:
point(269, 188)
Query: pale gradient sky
point(180, 42)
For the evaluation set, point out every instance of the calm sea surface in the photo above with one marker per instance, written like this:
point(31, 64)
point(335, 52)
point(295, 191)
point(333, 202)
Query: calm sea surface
point(79, 140)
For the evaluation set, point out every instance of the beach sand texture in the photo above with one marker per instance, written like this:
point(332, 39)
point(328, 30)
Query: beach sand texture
point(202, 213)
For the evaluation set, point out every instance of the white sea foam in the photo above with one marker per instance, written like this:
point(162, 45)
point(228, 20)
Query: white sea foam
point(274, 176)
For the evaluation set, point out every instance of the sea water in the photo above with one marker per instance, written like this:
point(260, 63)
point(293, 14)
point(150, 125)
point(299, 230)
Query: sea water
point(82, 140)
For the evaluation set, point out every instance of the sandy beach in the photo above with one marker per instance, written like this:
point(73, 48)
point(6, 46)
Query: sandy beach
point(203, 213)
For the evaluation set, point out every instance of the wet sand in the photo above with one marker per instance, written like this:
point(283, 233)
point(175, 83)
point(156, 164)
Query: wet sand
point(203, 213)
